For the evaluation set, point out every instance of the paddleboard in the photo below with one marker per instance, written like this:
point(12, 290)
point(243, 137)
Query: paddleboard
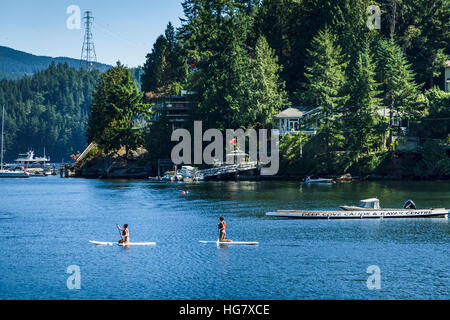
point(232, 242)
point(104, 243)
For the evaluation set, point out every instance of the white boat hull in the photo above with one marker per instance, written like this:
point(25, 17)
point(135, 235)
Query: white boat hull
point(13, 174)
point(358, 214)
point(313, 181)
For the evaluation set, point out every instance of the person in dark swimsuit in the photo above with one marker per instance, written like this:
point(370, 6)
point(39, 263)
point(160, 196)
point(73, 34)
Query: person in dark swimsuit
point(222, 225)
point(125, 233)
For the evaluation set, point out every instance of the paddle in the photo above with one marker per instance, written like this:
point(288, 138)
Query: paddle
point(120, 232)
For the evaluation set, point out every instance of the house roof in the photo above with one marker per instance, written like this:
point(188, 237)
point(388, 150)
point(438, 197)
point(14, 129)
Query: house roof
point(447, 64)
point(292, 112)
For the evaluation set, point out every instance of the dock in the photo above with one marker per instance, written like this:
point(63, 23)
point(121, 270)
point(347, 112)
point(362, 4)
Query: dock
point(229, 169)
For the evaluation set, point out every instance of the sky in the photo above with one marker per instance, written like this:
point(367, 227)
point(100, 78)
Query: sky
point(123, 30)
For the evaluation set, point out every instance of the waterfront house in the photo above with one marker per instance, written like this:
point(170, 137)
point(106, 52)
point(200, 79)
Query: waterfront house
point(297, 119)
point(399, 122)
point(447, 76)
point(178, 108)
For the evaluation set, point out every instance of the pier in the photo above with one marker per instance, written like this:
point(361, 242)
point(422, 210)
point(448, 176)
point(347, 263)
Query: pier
point(223, 170)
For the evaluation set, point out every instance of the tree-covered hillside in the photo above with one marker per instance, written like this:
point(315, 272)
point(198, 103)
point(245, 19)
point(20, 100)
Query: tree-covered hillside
point(373, 87)
point(15, 64)
point(49, 109)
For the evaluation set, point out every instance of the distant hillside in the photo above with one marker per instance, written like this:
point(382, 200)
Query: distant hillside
point(15, 64)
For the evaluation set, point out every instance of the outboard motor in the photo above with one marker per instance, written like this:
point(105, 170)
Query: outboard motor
point(409, 204)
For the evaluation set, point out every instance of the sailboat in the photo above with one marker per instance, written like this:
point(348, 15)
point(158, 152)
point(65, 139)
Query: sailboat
point(5, 173)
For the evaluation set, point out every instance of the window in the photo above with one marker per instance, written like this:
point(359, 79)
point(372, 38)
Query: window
point(293, 125)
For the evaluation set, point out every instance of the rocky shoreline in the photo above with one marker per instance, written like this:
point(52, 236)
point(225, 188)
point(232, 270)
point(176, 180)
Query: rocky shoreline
point(136, 170)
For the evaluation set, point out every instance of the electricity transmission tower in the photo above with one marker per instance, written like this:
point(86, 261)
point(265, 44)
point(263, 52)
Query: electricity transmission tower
point(88, 56)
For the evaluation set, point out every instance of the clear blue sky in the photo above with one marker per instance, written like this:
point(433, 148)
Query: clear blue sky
point(123, 30)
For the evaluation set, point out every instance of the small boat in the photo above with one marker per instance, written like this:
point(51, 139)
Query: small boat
point(308, 180)
point(36, 172)
point(169, 178)
point(13, 174)
point(367, 209)
point(370, 214)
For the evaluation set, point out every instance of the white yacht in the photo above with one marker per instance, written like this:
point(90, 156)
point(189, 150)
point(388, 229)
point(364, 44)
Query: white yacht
point(34, 165)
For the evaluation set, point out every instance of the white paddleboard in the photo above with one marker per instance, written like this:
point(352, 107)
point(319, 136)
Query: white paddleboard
point(104, 243)
point(232, 242)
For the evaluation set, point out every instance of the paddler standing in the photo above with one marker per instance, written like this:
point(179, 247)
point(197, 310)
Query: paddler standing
point(222, 225)
point(125, 233)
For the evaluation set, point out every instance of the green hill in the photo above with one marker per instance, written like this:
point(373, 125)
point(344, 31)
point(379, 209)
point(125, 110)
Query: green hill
point(15, 64)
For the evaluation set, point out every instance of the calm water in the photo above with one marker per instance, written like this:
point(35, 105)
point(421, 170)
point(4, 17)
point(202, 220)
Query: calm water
point(47, 222)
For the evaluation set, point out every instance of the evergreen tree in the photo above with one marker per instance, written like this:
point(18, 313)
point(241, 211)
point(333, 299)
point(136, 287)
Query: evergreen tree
point(397, 83)
point(290, 26)
point(361, 119)
point(154, 71)
point(116, 104)
point(264, 95)
point(165, 66)
point(158, 142)
point(422, 29)
point(214, 35)
point(326, 80)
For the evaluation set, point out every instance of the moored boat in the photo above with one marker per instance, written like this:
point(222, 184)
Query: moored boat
point(370, 214)
point(36, 166)
point(367, 209)
point(308, 180)
point(13, 174)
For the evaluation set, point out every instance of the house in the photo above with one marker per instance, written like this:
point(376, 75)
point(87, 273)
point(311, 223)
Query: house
point(307, 120)
point(178, 109)
point(399, 122)
point(297, 119)
point(447, 76)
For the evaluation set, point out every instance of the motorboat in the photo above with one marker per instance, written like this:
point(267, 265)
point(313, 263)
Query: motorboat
point(308, 180)
point(367, 209)
point(13, 174)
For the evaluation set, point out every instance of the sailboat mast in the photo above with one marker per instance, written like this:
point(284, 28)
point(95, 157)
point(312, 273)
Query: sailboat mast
point(3, 125)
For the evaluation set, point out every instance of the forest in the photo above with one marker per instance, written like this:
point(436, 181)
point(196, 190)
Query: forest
point(246, 60)
point(48, 110)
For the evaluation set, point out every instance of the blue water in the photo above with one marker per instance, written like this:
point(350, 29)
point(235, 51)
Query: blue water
point(46, 224)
